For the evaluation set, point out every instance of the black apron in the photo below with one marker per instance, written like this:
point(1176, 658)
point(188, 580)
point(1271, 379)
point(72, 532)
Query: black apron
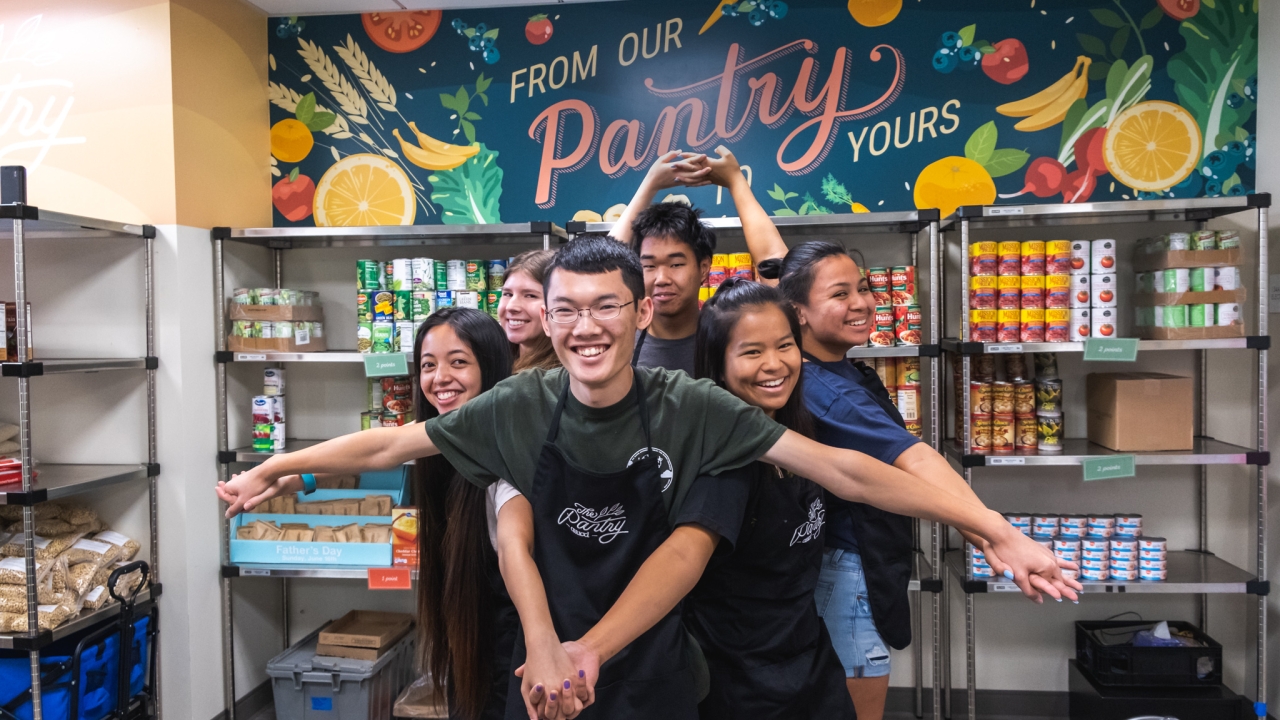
point(885, 543)
point(635, 355)
point(505, 625)
point(593, 532)
point(753, 612)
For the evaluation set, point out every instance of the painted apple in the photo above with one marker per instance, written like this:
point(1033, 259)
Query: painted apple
point(292, 196)
point(1008, 64)
point(1107, 330)
point(1077, 263)
point(1106, 296)
point(1082, 296)
point(1107, 261)
point(538, 29)
point(1180, 9)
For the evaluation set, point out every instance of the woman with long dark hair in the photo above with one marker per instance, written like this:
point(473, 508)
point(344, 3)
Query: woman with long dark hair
point(467, 621)
point(518, 311)
point(752, 612)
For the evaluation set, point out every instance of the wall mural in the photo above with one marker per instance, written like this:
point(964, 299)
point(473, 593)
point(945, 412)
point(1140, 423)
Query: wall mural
point(555, 112)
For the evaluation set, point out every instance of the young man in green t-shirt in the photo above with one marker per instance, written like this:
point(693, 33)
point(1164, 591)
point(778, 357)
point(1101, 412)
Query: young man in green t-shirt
point(608, 457)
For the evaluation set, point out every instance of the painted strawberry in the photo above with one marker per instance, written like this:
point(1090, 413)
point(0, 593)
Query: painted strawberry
point(292, 196)
point(539, 29)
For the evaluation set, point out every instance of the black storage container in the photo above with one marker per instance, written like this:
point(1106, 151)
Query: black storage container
point(1105, 653)
point(1090, 701)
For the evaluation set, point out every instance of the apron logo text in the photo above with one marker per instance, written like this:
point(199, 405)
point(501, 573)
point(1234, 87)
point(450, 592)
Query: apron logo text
point(810, 530)
point(664, 465)
point(604, 525)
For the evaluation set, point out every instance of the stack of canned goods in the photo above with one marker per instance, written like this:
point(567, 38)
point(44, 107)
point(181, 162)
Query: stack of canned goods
point(901, 377)
point(1181, 280)
point(394, 297)
point(1015, 415)
point(269, 329)
point(268, 413)
point(1020, 291)
point(1106, 547)
point(897, 319)
point(390, 402)
point(723, 267)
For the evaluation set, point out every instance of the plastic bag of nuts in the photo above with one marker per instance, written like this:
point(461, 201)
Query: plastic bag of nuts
point(13, 571)
point(96, 598)
point(48, 617)
point(13, 598)
point(85, 551)
point(46, 548)
point(128, 546)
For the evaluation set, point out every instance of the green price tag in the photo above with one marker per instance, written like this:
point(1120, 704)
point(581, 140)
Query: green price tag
point(1109, 467)
point(386, 365)
point(1111, 349)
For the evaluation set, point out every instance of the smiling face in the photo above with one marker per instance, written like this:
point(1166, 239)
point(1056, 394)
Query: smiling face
point(672, 275)
point(450, 375)
point(519, 310)
point(762, 359)
point(596, 353)
point(838, 314)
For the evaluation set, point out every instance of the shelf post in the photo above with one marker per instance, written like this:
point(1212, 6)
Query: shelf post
point(1202, 492)
point(24, 443)
point(153, 456)
point(1261, 470)
point(220, 404)
point(936, 268)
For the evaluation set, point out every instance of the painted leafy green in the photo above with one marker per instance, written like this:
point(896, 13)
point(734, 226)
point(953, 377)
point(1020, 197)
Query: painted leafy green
point(469, 193)
point(1222, 47)
point(981, 143)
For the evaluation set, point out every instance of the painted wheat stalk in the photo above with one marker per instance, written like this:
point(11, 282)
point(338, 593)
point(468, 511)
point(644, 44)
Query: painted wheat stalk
point(373, 81)
point(287, 99)
point(346, 94)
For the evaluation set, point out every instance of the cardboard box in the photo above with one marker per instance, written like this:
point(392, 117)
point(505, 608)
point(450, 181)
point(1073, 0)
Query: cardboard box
point(235, 343)
point(1192, 333)
point(1190, 298)
point(404, 537)
point(276, 312)
point(1140, 411)
point(363, 634)
point(1186, 259)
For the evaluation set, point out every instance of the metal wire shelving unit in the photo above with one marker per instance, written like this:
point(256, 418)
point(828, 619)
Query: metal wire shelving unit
point(21, 224)
point(1191, 572)
point(517, 236)
point(919, 231)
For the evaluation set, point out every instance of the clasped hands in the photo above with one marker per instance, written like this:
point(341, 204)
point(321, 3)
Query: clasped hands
point(558, 680)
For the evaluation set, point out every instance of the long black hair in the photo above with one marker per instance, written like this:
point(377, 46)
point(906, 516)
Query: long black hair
point(455, 599)
point(716, 322)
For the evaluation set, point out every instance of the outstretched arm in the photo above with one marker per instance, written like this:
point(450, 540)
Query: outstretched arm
point(548, 677)
point(375, 449)
point(854, 476)
point(762, 236)
point(674, 168)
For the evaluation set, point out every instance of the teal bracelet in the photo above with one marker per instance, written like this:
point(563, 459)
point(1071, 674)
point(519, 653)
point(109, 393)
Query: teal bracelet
point(308, 483)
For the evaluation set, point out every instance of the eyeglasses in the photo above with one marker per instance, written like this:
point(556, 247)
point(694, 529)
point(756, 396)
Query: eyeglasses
point(603, 311)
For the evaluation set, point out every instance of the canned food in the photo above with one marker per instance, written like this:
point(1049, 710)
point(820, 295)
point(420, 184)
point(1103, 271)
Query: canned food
point(364, 306)
point(980, 434)
point(1177, 241)
point(982, 292)
point(1093, 542)
point(392, 419)
point(364, 337)
point(1046, 365)
point(1129, 545)
point(882, 333)
point(1018, 520)
point(1015, 368)
point(908, 372)
point(1049, 432)
point(1103, 253)
point(1075, 521)
point(242, 296)
point(1123, 574)
point(1002, 398)
point(1174, 280)
point(277, 437)
point(1032, 257)
point(1128, 532)
point(444, 299)
point(1048, 395)
point(1057, 291)
point(1009, 292)
point(1001, 434)
point(1227, 314)
point(1057, 325)
point(1153, 556)
point(1102, 521)
point(1080, 264)
point(367, 420)
point(383, 333)
point(906, 324)
point(878, 279)
point(1024, 434)
point(717, 275)
point(1225, 278)
point(1201, 279)
point(384, 306)
point(1105, 322)
point(497, 271)
point(441, 269)
point(1066, 544)
point(739, 258)
point(1152, 543)
point(981, 398)
point(1057, 257)
point(424, 274)
point(242, 328)
point(1204, 240)
point(1104, 290)
point(475, 278)
point(1009, 259)
point(902, 284)
point(1089, 563)
point(1024, 398)
point(467, 299)
point(1228, 239)
point(1171, 316)
point(982, 258)
point(456, 274)
point(746, 272)
point(1045, 520)
point(1095, 556)
point(368, 274)
point(1032, 297)
point(1008, 326)
point(1152, 575)
point(403, 305)
point(403, 341)
point(265, 329)
point(1044, 541)
point(1092, 575)
point(982, 573)
point(1070, 533)
point(401, 274)
point(1128, 520)
point(422, 303)
point(1032, 325)
point(721, 259)
point(317, 329)
point(1158, 563)
point(262, 438)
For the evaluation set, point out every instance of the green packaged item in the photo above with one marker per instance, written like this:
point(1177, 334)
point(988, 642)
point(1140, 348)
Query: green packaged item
point(1204, 240)
point(1198, 282)
point(364, 306)
point(441, 271)
point(383, 334)
point(369, 274)
point(476, 281)
point(423, 304)
point(1196, 315)
point(364, 337)
point(1228, 239)
point(497, 274)
point(1175, 316)
point(403, 305)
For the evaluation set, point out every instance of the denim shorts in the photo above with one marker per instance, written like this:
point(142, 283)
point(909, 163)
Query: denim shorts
point(842, 603)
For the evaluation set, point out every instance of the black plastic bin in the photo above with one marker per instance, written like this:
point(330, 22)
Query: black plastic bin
point(1105, 653)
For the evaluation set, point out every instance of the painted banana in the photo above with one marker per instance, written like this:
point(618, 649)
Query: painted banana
point(433, 154)
point(1033, 104)
point(1054, 112)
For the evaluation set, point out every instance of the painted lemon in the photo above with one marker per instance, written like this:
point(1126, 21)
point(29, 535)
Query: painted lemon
point(1152, 146)
point(874, 13)
point(364, 189)
point(953, 181)
point(586, 216)
point(291, 141)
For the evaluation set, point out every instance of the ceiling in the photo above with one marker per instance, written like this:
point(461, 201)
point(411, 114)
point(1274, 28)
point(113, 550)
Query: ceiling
point(322, 7)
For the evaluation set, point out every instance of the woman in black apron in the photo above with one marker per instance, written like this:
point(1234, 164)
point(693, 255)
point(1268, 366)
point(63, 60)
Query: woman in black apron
point(753, 613)
point(467, 620)
point(650, 678)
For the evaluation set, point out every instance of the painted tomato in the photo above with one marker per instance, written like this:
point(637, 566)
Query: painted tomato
point(1180, 9)
point(1082, 296)
point(1077, 263)
point(1106, 296)
point(401, 32)
point(538, 29)
point(1008, 64)
point(1107, 330)
point(292, 196)
point(1107, 261)
point(1083, 330)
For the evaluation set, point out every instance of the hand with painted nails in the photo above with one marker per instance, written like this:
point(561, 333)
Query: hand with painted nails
point(587, 660)
point(549, 682)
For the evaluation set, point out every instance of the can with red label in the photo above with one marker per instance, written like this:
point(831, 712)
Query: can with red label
point(982, 325)
point(1009, 289)
point(882, 331)
point(902, 285)
point(1032, 292)
point(1103, 255)
point(717, 275)
point(1024, 434)
point(1057, 325)
point(1105, 323)
point(1080, 264)
point(1009, 258)
point(878, 279)
point(982, 258)
point(1008, 326)
point(1002, 434)
point(1081, 293)
point(981, 398)
point(1032, 325)
point(906, 324)
point(1081, 326)
point(1057, 291)
point(1033, 257)
point(982, 292)
point(980, 434)
point(1057, 257)
point(1104, 290)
